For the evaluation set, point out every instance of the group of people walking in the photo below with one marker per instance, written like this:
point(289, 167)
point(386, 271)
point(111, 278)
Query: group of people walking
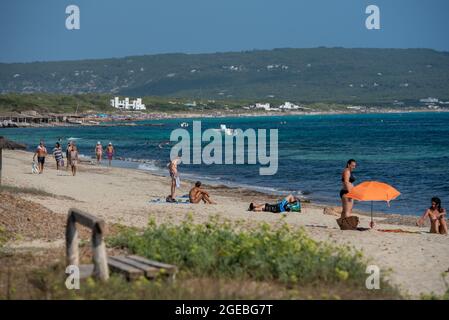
point(109, 150)
point(71, 155)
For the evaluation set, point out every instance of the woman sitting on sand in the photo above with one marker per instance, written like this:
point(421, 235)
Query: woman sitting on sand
point(284, 206)
point(437, 216)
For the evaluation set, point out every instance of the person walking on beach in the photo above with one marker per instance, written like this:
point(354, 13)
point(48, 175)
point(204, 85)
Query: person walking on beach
point(67, 153)
point(197, 194)
point(57, 153)
point(99, 152)
point(41, 153)
point(73, 158)
point(174, 175)
point(110, 152)
point(437, 216)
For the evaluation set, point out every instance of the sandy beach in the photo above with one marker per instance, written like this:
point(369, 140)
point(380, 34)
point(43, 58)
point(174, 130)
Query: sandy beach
point(414, 261)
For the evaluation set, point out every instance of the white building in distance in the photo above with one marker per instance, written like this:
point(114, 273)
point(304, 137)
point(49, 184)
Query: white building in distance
point(289, 106)
point(265, 106)
point(127, 105)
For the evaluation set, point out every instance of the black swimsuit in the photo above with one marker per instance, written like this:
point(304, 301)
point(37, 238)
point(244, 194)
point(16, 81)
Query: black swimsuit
point(344, 191)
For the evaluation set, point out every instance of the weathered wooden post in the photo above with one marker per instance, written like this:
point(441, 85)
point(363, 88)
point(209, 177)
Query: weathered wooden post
point(71, 237)
point(100, 259)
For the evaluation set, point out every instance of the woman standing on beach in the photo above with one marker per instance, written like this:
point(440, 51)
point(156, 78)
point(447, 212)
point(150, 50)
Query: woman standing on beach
point(437, 216)
point(73, 158)
point(110, 152)
point(347, 179)
point(99, 152)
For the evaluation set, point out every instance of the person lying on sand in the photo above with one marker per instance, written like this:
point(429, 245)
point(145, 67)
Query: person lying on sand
point(437, 216)
point(197, 194)
point(289, 203)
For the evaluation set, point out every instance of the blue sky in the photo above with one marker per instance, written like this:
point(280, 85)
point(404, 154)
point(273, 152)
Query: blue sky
point(35, 30)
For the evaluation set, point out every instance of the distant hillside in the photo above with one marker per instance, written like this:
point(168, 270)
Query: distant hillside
point(301, 75)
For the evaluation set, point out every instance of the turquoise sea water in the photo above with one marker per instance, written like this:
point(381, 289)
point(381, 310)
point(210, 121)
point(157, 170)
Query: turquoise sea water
point(409, 151)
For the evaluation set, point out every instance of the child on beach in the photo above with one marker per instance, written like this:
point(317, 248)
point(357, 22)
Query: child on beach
point(57, 153)
point(437, 216)
point(197, 194)
point(73, 158)
point(174, 175)
point(41, 153)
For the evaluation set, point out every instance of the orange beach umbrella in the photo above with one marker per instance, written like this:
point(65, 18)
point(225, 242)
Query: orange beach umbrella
point(373, 191)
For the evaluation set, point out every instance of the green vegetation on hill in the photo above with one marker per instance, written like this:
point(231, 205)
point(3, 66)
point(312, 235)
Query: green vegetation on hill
point(337, 75)
point(60, 103)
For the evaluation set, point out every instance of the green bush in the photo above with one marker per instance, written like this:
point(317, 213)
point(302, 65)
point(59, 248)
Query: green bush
point(262, 253)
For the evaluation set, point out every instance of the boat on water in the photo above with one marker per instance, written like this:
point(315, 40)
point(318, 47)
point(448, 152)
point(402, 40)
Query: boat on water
point(227, 131)
point(74, 121)
point(184, 125)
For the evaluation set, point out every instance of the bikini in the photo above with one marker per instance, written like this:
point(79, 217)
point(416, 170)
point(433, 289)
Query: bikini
point(344, 191)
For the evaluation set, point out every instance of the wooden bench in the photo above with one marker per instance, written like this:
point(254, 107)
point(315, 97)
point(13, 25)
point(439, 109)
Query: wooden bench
point(131, 266)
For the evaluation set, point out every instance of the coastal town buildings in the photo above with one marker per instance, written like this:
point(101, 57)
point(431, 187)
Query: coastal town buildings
point(126, 104)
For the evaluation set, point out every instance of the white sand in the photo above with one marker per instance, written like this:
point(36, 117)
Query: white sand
point(416, 261)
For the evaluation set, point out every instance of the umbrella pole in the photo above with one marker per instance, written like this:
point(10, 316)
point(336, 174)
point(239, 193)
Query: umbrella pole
point(371, 214)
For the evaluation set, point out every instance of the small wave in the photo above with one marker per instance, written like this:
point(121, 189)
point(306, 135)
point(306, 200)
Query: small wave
point(84, 156)
point(148, 166)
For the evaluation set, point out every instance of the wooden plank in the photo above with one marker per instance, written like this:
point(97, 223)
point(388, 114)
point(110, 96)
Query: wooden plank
point(171, 269)
point(150, 271)
point(130, 272)
point(87, 220)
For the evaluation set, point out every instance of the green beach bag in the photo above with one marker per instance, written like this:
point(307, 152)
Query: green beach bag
point(295, 206)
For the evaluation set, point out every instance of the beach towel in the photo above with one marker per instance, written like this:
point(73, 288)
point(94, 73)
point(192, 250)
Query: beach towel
point(398, 231)
point(34, 168)
point(178, 182)
point(178, 200)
